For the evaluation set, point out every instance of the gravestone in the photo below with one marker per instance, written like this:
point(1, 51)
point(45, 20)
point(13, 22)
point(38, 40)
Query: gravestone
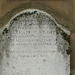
point(33, 43)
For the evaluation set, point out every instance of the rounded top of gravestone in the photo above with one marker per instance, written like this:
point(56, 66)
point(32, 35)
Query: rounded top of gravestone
point(39, 13)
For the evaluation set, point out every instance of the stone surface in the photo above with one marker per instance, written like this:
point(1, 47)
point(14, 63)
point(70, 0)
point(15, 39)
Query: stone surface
point(34, 44)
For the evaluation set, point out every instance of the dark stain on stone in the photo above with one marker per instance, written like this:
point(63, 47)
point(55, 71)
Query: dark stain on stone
point(44, 60)
point(20, 15)
point(65, 36)
point(29, 13)
point(69, 51)
point(15, 19)
point(11, 22)
point(5, 31)
point(35, 12)
point(30, 24)
point(8, 37)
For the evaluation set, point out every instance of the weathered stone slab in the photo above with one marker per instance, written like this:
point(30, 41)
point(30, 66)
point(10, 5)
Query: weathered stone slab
point(34, 44)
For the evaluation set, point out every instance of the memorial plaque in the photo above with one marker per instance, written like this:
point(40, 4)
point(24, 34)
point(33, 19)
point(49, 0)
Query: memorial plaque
point(33, 43)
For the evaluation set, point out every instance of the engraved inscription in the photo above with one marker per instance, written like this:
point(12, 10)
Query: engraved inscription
point(31, 46)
